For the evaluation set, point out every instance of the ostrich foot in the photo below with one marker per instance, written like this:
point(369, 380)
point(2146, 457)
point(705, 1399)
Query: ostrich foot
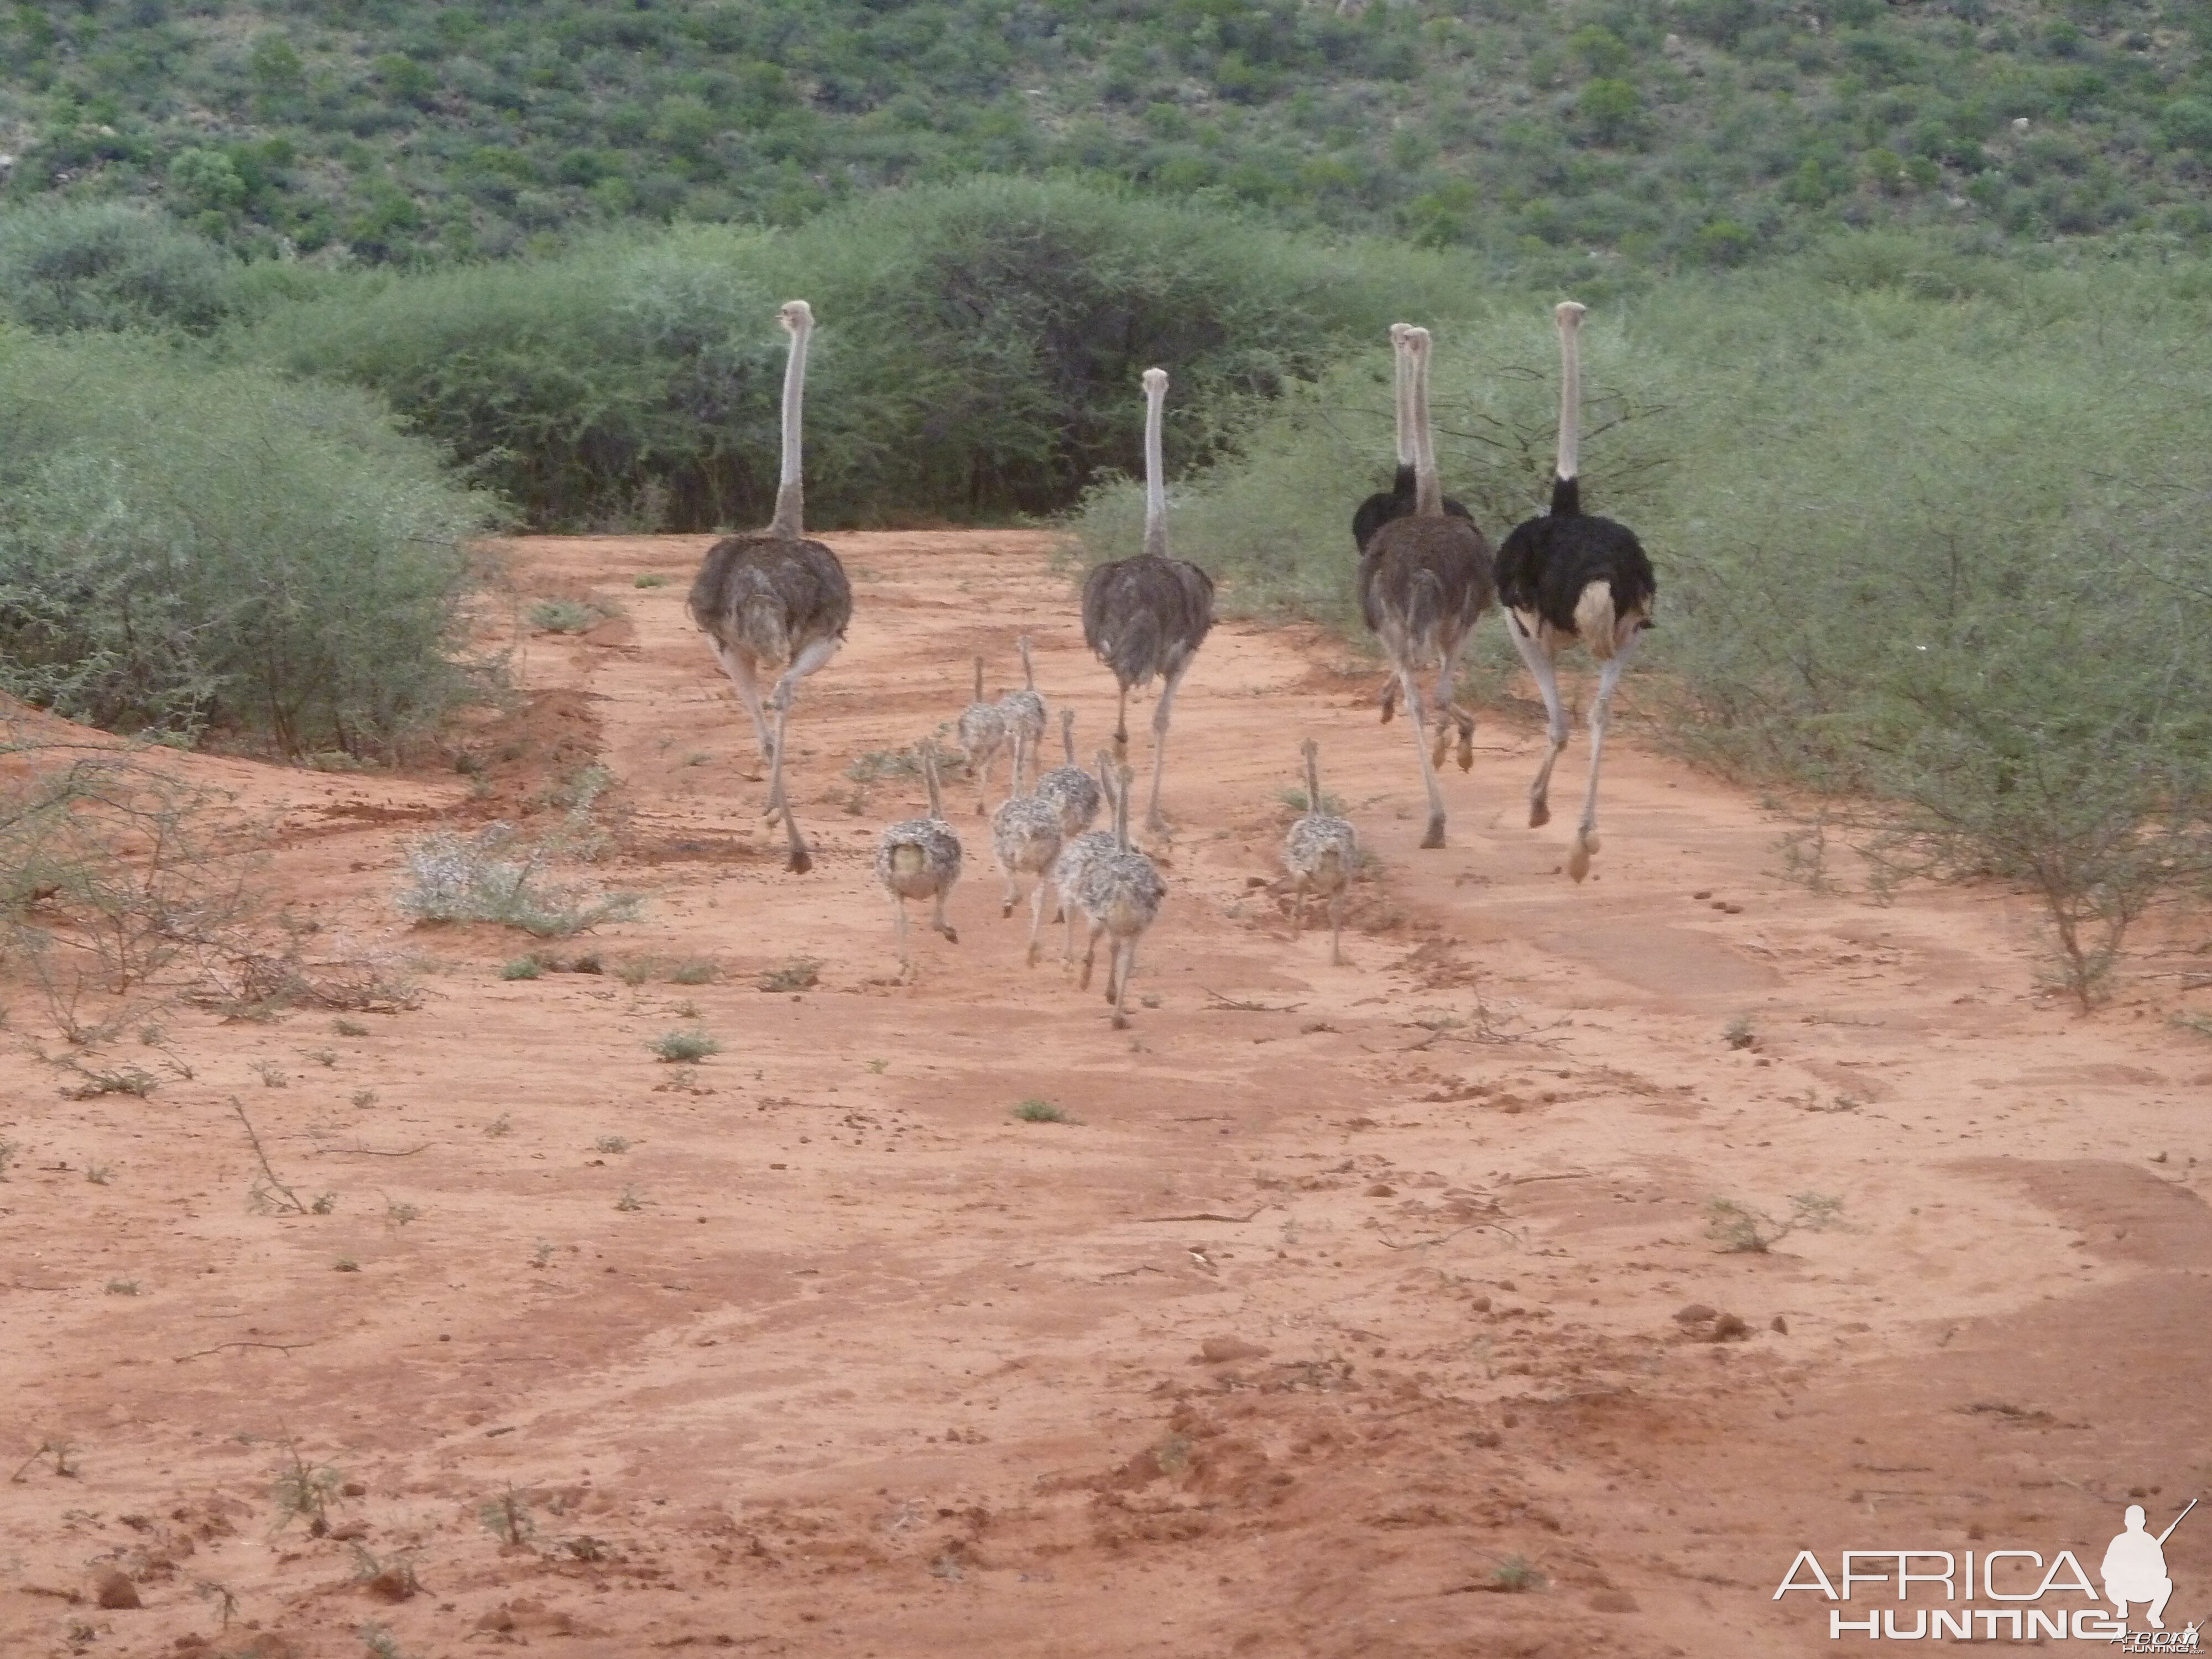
point(1539, 814)
point(1579, 860)
point(1435, 838)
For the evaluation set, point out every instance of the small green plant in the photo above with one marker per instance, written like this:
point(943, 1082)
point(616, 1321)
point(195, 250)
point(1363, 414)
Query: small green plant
point(92, 1083)
point(630, 1200)
point(2200, 1023)
point(8, 1151)
point(303, 1490)
point(152, 1035)
point(879, 764)
point(380, 1643)
point(634, 971)
point(60, 1450)
point(565, 615)
point(323, 1204)
point(501, 1124)
point(1296, 801)
point(1738, 1034)
point(648, 579)
point(693, 971)
point(494, 875)
point(1034, 1110)
point(363, 1097)
point(1516, 1574)
point(399, 1214)
point(99, 1174)
point(323, 1056)
point(522, 967)
point(674, 1047)
point(879, 1066)
point(800, 973)
point(1739, 1229)
point(541, 1253)
point(272, 1074)
point(348, 1028)
point(346, 1264)
point(507, 1517)
point(122, 1287)
point(610, 1144)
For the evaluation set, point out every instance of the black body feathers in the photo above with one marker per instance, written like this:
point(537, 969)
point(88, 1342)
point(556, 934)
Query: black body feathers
point(772, 595)
point(1396, 502)
point(1146, 617)
point(1546, 562)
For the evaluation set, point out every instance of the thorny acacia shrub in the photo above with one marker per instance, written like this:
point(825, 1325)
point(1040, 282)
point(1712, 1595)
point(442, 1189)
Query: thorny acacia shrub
point(496, 875)
point(186, 547)
point(109, 868)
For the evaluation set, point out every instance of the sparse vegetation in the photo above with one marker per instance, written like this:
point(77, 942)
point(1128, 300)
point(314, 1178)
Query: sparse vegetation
point(521, 968)
point(304, 1490)
point(363, 1098)
point(500, 1125)
point(683, 1046)
point(348, 1028)
point(1738, 1033)
point(1035, 1110)
point(508, 1519)
point(693, 971)
point(1515, 1575)
point(1739, 1229)
point(801, 974)
point(630, 1200)
point(122, 1287)
point(99, 1174)
point(496, 876)
point(610, 1144)
point(566, 615)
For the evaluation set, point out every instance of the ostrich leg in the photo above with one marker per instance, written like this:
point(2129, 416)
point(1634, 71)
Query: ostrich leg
point(1601, 716)
point(1548, 681)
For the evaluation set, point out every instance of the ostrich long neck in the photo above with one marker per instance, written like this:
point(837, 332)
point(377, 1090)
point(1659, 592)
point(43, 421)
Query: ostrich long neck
point(1405, 396)
point(929, 777)
point(1122, 808)
point(1067, 734)
point(1428, 491)
point(791, 487)
point(979, 679)
point(1571, 392)
point(1313, 782)
point(1156, 490)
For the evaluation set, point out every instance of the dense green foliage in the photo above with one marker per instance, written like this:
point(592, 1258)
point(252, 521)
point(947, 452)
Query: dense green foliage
point(1930, 530)
point(186, 547)
point(1705, 130)
point(976, 349)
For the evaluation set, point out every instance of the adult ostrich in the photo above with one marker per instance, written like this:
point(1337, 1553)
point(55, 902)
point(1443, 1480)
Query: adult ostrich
point(1398, 502)
point(1571, 576)
point(1423, 581)
point(773, 597)
point(1146, 617)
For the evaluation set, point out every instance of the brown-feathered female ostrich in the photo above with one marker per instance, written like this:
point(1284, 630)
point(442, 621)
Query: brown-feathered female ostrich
point(1423, 582)
point(1567, 576)
point(1023, 713)
point(1068, 786)
point(1321, 853)
point(1077, 854)
point(1146, 617)
point(982, 734)
point(1120, 896)
point(1399, 500)
point(773, 597)
point(920, 859)
point(1025, 835)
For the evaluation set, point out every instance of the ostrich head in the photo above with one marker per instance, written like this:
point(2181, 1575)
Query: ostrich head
point(796, 316)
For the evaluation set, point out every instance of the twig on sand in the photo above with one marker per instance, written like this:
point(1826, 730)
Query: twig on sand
point(202, 1353)
point(1239, 1005)
point(1201, 1215)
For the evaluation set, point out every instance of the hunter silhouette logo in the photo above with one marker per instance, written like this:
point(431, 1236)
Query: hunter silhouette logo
point(2135, 1567)
point(2028, 1593)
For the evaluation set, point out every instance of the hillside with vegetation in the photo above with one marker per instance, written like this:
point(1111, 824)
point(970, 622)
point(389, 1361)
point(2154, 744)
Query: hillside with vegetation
point(1702, 130)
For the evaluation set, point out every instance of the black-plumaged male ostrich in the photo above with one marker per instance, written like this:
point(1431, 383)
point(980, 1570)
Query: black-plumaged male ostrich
point(1570, 575)
point(773, 598)
point(1423, 582)
point(1398, 502)
point(1146, 617)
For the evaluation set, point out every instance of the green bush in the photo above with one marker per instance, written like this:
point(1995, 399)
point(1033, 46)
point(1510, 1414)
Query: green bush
point(186, 547)
point(978, 347)
point(67, 265)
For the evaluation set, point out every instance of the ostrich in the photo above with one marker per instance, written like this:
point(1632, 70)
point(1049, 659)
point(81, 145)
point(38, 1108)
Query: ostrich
point(1026, 834)
point(773, 597)
point(1398, 500)
point(1069, 788)
point(1077, 854)
point(1023, 713)
point(1423, 582)
point(1321, 851)
point(1146, 617)
point(1570, 575)
point(982, 734)
point(920, 859)
point(1120, 896)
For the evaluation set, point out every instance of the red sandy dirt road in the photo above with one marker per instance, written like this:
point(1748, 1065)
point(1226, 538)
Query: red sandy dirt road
point(1346, 1303)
